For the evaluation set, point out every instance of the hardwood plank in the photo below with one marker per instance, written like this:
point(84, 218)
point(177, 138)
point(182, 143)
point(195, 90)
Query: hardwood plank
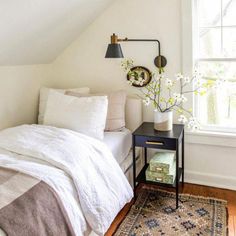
point(119, 218)
point(228, 195)
point(234, 223)
point(231, 226)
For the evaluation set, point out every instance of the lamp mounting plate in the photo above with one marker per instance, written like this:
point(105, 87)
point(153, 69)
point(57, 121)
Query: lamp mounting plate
point(160, 61)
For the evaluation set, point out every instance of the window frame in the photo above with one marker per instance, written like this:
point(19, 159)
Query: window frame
point(196, 59)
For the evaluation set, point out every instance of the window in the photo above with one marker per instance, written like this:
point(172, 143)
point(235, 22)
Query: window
point(215, 57)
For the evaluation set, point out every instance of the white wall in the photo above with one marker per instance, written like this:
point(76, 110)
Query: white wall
point(19, 90)
point(83, 63)
point(210, 160)
point(35, 32)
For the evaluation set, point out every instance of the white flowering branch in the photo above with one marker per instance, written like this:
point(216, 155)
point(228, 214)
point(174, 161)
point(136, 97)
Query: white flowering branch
point(152, 93)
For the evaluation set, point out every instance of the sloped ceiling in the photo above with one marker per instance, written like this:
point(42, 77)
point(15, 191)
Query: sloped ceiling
point(37, 31)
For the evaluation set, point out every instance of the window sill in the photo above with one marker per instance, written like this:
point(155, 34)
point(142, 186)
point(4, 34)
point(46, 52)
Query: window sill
point(211, 138)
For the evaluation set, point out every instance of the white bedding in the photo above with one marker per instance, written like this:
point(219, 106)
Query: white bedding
point(82, 170)
point(128, 161)
point(119, 143)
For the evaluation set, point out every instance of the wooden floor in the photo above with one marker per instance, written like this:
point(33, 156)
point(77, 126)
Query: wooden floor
point(227, 195)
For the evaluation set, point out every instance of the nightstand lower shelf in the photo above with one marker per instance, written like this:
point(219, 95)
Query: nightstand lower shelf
point(141, 178)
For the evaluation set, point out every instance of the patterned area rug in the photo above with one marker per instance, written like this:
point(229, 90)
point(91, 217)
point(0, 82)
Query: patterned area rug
point(154, 214)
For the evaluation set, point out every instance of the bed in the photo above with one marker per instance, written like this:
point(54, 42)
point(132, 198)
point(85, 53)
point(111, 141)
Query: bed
point(80, 207)
point(120, 144)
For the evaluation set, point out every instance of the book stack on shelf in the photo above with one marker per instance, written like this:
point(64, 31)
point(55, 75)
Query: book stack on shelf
point(162, 168)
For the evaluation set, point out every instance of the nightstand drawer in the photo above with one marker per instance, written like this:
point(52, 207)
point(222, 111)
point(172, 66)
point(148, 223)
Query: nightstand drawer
point(152, 142)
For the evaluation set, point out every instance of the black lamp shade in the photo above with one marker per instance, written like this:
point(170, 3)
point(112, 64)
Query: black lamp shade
point(114, 51)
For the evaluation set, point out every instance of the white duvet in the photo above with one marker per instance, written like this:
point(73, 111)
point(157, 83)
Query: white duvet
point(81, 169)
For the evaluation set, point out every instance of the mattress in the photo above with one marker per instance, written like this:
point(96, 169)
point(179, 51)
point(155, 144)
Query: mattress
point(119, 143)
point(127, 163)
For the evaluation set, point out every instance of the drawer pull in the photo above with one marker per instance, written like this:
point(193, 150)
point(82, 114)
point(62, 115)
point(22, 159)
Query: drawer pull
point(159, 169)
point(159, 179)
point(154, 143)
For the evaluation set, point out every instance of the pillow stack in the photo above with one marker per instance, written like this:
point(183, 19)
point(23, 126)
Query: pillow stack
point(82, 112)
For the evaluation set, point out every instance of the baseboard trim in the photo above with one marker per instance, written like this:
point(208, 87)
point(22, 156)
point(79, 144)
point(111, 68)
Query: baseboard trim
point(225, 182)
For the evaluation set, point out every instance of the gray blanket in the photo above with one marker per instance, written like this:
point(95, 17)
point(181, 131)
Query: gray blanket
point(29, 207)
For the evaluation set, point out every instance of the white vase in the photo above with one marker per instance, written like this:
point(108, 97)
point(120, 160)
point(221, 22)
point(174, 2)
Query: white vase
point(163, 121)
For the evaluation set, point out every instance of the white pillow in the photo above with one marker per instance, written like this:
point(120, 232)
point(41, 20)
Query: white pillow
point(116, 108)
point(44, 97)
point(86, 115)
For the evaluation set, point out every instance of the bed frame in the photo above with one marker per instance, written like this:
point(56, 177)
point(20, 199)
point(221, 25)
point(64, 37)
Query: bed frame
point(133, 119)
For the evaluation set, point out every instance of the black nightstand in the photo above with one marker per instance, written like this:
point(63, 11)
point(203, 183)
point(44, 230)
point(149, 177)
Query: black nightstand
point(145, 136)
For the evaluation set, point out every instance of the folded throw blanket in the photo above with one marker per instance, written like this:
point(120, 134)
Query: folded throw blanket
point(30, 207)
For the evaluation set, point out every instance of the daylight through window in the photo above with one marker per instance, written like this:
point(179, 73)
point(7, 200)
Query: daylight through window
point(215, 55)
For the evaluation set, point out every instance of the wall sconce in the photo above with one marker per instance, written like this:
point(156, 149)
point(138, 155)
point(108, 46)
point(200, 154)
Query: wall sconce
point(114, 50)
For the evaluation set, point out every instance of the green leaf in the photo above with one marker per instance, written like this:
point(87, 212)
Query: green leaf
point(202, 93)
point(171, 101)
point(180, 111)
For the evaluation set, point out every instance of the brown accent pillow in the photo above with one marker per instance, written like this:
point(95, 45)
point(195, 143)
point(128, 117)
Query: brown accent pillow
point(116, 108)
